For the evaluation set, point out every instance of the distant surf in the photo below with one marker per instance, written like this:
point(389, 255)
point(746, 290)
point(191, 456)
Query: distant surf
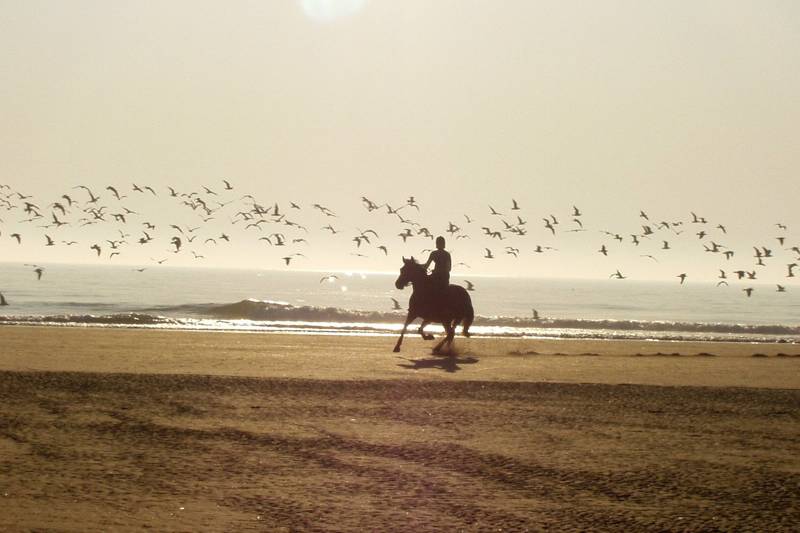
point(276, 316)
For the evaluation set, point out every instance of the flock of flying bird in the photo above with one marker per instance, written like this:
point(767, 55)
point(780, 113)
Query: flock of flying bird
point(215, 212)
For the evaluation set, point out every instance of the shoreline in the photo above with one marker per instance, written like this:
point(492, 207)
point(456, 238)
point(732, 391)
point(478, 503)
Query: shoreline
point(256, 354)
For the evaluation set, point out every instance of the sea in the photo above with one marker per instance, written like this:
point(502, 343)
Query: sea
point(360, 303)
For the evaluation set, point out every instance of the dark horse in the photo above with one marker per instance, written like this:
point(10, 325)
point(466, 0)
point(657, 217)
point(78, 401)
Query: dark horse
point(431, 305)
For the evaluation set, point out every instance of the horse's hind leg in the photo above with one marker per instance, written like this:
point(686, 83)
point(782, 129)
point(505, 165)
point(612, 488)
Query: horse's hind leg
point(426, 336)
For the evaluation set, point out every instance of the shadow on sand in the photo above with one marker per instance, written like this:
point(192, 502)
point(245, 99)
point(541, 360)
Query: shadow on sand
point(448, 363)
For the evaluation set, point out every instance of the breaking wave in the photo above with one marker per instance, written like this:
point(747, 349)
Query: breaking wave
point(265, 315)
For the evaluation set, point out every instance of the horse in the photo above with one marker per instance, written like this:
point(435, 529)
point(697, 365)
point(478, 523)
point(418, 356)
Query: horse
point(428, 303)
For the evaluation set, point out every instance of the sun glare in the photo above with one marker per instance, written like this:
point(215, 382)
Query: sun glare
point(331, 10)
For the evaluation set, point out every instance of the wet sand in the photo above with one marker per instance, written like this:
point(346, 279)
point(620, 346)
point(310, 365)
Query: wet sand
point(121, 430)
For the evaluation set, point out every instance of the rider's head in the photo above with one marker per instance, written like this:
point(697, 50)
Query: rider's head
point(440, 243)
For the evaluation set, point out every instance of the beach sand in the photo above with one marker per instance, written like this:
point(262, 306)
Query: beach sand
point(119, 429)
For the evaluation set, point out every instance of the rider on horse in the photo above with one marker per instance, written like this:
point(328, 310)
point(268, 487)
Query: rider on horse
point(440, 277)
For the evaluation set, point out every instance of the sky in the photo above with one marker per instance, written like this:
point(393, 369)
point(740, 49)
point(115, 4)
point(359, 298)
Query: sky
point(670, 107)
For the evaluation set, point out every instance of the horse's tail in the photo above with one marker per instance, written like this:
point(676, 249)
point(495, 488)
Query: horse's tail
point(469, 316)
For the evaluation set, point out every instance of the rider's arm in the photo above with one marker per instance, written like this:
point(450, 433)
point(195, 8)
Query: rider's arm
point(428, 263)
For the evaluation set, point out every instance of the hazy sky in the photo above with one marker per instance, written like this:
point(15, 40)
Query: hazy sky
point(614, 106)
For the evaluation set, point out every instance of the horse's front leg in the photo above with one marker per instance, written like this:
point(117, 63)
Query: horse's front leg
point(438, 348)
point(409, 320)
point(426, 336)
point(452, 334)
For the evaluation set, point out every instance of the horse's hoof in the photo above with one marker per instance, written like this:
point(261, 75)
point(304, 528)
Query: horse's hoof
point(396, 349)
point(467, 335)
point(428, 337)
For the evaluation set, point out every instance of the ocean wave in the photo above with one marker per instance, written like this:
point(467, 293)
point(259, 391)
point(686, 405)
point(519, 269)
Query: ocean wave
point(114, 319)
point(265, 315)
point(265, 310)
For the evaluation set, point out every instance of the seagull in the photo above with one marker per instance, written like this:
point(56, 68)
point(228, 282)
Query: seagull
point(535, 314)
point(749, 291)
point(488, 254)
point(682, 276)
point(96, 248)
point(38, 271)
point(395, 305)
point(515, 205)
point(92, 198)
point(3, 300)
point(18, 237)
point(540, 249)
point(329, 278)
point(115, 192)
point(780, 288)
point(470, 286)
point(228, 186)
point(617, 275)
point(603, 250)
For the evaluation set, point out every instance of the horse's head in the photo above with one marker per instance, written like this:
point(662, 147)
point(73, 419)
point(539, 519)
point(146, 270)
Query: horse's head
point(409, 273)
